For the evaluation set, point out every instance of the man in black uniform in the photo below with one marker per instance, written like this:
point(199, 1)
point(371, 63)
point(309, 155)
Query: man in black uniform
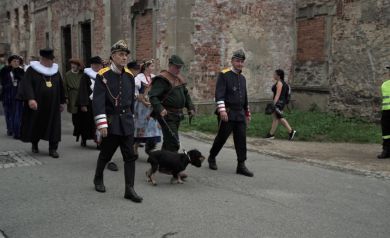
point(113, 105)
point(233, 112)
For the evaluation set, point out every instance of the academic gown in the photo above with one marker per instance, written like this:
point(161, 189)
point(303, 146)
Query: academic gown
point(46, 87)
point(87, 122)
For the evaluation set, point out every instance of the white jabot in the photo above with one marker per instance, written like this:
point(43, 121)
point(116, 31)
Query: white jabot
point(36, 65)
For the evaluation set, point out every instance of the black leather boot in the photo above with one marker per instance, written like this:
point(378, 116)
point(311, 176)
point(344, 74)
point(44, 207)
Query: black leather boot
point(99, 185)
point(112, 166)
point(129, 181)
point(98, 179)
point(54, 154)
point(212, 163)
point(243, 170)
point(131, 194)
point(385, 154)
point(34, 148)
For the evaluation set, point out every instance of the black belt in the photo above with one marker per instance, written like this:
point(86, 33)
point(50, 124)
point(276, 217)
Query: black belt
point(234, 108)
point(172, 109)
point(120, 111)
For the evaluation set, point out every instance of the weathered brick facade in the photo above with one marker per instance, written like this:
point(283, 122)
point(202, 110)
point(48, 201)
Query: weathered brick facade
point(333, 51)
point(346, 72)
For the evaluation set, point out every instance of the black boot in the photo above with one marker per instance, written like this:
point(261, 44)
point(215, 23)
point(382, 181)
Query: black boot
point(112, 166)
point(385, 154)
point(53, 153)
point(243, 170)
point(83, 143)
point(98, 180)
point(34, 148)
point(131, 194)
point(129, 180)
point(212, 163)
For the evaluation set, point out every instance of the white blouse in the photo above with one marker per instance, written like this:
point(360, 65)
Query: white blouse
point(141, 78)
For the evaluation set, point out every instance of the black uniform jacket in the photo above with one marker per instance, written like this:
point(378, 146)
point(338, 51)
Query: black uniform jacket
point(231, 95)
point(113, 101)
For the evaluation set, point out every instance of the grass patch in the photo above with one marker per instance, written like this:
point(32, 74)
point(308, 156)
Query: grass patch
point(311, 126)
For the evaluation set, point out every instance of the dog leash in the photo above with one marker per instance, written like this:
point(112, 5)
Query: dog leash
point(174, 136)
point(170, 130)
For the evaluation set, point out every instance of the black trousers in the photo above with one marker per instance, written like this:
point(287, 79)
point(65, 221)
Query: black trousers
point(239, 136)
point(108, 147)
point(385, 122)
point(171, 134)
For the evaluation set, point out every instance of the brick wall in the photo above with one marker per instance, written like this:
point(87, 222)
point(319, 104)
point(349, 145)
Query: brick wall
point(264, 29)
point(144, 35)
point(311, 39)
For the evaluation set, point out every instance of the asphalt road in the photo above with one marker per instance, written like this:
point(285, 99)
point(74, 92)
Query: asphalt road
point(284, 199)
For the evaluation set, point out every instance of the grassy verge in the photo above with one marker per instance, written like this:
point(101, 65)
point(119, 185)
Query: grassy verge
point(311, 126)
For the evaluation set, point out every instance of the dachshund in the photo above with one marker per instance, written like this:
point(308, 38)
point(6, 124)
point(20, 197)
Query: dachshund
point(172, 163)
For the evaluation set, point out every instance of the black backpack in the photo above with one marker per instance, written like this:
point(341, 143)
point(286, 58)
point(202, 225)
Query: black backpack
point(288, 93)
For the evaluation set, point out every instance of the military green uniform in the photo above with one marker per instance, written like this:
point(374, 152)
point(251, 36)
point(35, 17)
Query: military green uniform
point(169, 92)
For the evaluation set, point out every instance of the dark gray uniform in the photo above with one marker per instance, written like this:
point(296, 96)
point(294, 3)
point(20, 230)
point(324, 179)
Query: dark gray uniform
point(113, 106)
point(231, 96)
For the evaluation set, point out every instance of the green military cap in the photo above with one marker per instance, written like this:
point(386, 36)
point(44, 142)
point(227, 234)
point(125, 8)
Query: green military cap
point(176, 60)
point(239, 54)
point(121, 45)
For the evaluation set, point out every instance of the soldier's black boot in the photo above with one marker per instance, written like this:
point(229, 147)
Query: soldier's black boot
point(243, 170)
point(131, 194)
point(385, 153)
point(129, 180)
point(98, 180)
point(212, 163)
point(34, 147)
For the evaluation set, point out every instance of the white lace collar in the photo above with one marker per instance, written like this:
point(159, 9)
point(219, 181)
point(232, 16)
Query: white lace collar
point(89, 71)
point(37, 66)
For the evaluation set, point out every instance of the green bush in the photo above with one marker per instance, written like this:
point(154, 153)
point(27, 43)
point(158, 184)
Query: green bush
point(311, 126)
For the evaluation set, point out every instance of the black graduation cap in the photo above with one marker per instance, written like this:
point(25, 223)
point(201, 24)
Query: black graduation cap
point(96, 60)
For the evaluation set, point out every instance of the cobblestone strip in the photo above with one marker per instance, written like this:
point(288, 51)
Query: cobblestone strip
point(21, 158)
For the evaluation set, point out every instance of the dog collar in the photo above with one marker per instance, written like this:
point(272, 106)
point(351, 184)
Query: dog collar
point(185, 152)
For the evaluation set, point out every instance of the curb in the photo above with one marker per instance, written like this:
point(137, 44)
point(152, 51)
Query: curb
point(319, 163)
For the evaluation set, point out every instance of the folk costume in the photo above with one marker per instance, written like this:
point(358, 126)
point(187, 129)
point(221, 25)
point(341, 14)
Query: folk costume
point(72, 84)
point(147, 129)
point(169, 92)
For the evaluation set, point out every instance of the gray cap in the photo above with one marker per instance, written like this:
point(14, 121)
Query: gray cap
point(239, 54)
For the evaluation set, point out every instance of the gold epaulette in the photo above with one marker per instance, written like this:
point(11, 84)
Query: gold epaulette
point(128, 71)
point(226, 70)
point(103, 70)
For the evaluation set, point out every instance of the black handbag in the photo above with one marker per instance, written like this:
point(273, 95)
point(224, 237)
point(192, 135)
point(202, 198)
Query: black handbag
point(269, 109)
